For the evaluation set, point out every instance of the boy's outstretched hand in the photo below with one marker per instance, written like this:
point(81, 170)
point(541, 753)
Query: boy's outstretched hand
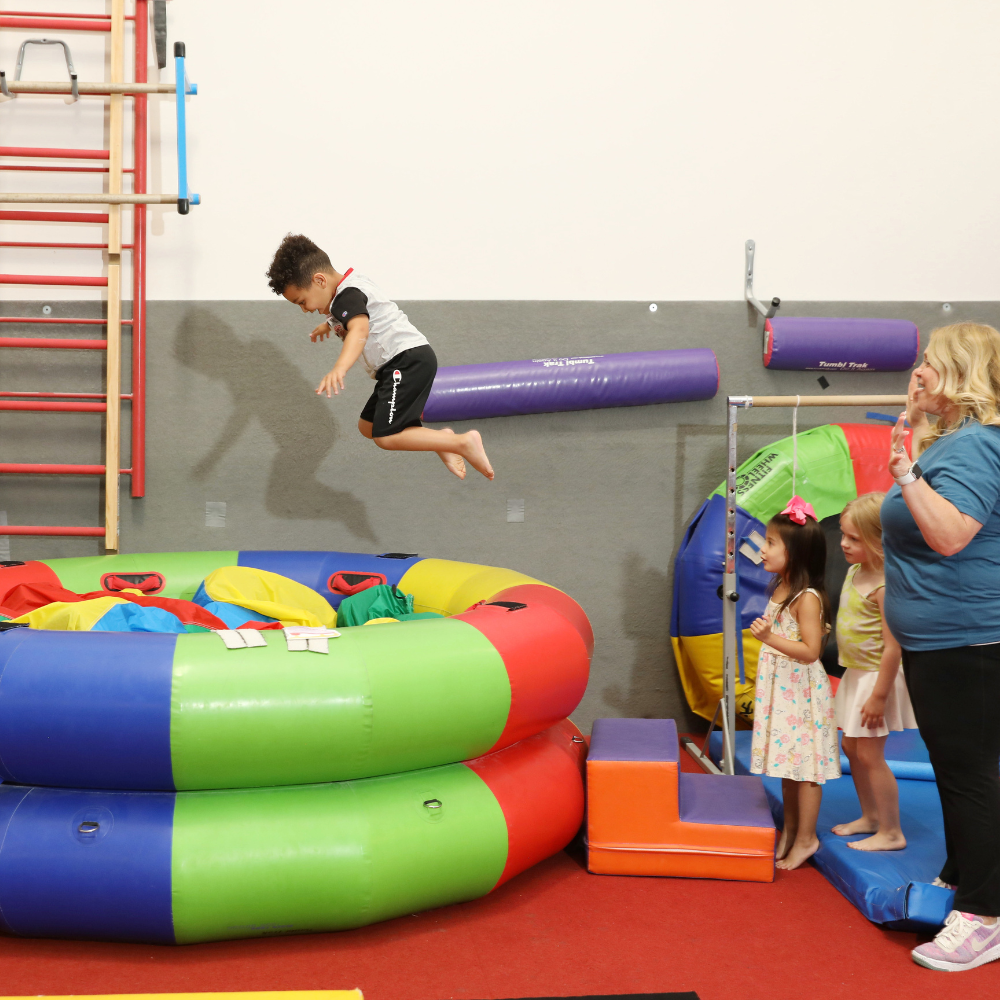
point(320, 333)
point(332, 380)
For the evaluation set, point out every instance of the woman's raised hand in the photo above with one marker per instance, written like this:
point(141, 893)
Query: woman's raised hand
point(899, 461)
point(760, 628)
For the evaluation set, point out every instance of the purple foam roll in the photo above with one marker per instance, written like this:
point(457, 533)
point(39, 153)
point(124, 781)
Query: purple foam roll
point(550, 385)
point(806, 343)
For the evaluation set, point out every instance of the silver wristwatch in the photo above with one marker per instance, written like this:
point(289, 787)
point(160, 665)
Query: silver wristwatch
point(910, 477)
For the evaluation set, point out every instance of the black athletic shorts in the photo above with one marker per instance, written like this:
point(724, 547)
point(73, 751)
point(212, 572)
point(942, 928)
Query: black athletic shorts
point(402, 386)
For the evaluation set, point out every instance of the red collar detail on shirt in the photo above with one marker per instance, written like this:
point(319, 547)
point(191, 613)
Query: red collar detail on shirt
point(344, 278)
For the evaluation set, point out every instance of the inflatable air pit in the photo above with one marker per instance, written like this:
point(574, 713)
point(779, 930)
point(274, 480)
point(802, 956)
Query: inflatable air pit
point(165, 788)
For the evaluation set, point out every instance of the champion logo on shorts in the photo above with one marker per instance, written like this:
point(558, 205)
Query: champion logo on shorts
point(397, 377)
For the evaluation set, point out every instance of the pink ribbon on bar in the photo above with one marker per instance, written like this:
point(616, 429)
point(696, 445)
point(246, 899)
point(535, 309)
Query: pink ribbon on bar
point(798, 510)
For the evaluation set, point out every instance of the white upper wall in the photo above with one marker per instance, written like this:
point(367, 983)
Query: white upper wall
point(538, 149)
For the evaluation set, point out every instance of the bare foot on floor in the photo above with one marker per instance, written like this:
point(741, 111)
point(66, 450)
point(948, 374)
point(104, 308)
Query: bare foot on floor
point(798, 855)
point(785, 841)
point(861, 825)
point(475, 453)
point(453, 461)
point(880, 842)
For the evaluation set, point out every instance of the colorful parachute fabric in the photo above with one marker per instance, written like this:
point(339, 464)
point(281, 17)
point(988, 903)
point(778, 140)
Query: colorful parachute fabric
point(40, 604)
point(265, 593)
point(836, 463)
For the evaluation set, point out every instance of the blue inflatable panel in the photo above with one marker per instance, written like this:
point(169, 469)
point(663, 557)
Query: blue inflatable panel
point(697, 609)
point(78, 705)
point(70, 866)
point(889, 887)
point(314, 569)
point(905, 753)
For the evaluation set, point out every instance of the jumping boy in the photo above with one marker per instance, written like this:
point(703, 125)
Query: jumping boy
point(394, 352)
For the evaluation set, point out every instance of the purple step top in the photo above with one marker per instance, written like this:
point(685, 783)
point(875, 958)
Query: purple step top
point(590, 382)
point(634, 739)
point(724, 800)
point(812, 343)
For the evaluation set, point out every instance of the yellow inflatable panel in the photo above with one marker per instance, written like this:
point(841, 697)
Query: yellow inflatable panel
point(449, 587)
point(271, 594)
point(699, 662)
point(264, 995)
point(70, 616)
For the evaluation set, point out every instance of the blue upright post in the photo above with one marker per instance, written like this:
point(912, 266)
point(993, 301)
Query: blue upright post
point(184, 199)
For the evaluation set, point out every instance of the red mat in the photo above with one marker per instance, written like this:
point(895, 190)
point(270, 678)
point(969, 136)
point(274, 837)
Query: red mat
point(553, 931)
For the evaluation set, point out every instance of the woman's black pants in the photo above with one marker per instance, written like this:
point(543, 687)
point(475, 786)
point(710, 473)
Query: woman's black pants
point(956, 699)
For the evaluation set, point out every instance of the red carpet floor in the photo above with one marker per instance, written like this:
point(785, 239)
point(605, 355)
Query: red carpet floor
point(553, 931)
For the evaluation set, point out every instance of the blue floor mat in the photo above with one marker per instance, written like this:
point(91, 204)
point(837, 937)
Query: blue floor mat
point(891, 888)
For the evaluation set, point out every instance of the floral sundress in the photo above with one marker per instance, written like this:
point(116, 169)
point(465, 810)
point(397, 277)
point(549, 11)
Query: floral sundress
point(794, 732)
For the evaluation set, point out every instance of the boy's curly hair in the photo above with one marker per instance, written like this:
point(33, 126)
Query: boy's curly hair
point(295, 261)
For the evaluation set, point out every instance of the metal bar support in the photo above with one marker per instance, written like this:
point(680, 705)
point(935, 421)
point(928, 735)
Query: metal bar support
point(729, 593)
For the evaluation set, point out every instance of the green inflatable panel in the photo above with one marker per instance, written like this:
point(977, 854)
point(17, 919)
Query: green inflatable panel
point(825, 475)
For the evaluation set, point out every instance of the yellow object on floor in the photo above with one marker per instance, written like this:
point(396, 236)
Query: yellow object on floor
point(354, 994)
point(271, 594)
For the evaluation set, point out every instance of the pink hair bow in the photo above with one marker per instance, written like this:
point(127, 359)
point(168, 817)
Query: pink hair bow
point(798, 510)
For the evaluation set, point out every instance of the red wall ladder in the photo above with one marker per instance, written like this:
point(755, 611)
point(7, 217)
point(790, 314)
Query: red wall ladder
point(108, 402)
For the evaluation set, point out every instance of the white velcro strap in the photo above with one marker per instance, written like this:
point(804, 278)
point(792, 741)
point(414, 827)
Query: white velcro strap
point(252, 637)
point(231, 638)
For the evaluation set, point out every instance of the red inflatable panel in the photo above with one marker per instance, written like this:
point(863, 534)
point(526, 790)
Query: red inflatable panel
point(29, 573)
point(546, 660)
point(536, 593)
point(869, 447)
point(539, 785)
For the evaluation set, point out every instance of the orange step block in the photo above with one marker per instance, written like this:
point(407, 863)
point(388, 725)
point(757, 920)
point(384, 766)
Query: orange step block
point(646, 817)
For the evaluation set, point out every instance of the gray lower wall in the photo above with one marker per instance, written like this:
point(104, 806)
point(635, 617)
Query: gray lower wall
point(232, 416)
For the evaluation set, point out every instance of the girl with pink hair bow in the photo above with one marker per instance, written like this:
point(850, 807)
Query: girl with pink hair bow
point(794, 733)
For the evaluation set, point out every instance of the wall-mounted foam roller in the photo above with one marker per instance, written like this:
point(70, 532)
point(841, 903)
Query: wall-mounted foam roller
point(551, 385)
point(806, 343)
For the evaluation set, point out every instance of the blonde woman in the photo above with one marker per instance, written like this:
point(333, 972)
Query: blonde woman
point(871, 700)
point(941, 537)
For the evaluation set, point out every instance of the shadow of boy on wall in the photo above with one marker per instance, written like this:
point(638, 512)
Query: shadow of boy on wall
point(265, 386)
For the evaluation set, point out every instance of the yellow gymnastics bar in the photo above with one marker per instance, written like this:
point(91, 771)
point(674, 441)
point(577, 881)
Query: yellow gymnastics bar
point(354, 994)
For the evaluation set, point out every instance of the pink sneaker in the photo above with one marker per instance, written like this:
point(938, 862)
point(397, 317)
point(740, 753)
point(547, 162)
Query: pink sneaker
point(964, 942)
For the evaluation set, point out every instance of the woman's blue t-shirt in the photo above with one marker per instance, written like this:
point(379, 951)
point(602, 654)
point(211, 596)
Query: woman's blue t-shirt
point(940, 602)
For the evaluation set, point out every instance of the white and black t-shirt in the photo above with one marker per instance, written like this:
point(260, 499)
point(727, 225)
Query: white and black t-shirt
point(389, 331)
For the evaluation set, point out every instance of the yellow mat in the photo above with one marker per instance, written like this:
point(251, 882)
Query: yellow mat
point(265, 995)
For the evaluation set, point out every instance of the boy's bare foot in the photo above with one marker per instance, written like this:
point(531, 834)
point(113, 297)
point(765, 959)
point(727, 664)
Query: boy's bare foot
point(880, 842)
point(861, 825)
point(453, 461)
point(475, 453)
point(798, 855)
point(785, 841)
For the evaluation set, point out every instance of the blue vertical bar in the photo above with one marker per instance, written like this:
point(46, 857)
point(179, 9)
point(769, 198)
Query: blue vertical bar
point(180, 86)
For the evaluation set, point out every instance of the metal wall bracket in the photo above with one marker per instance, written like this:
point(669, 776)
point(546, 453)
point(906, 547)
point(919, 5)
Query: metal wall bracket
point(748, 294)
point(20, 65)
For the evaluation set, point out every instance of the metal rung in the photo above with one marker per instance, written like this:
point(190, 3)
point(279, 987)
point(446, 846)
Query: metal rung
point(54, 23)
point(61, 154)
point(59, 320)
point(54, 407)
point(55, 342)
point(33, 469)
point(50, 529)
point(26, 216)
point(51, 279)
point(61, 395)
